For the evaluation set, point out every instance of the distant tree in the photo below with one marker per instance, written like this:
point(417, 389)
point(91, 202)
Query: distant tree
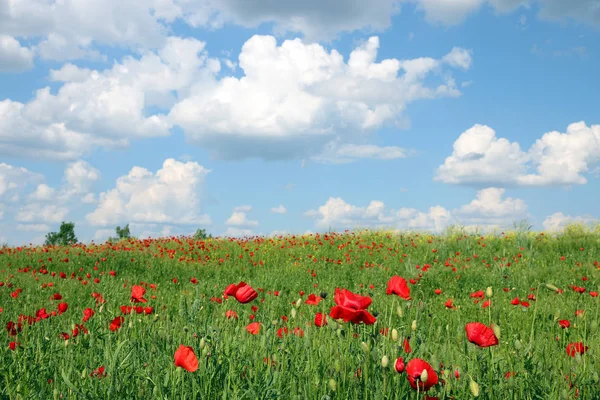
point(201, 235)
point(65, 235)
point(122, 234)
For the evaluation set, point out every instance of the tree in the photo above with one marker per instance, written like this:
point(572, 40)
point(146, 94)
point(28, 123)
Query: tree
point(65, 235)
point(122, 234)
point(201, 235)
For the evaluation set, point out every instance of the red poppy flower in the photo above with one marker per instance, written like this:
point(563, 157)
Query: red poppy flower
point(406, 346)
point(56, 296)
point(253, 328)
point(479, 294)
point(397, 285)
point(186, 358)
point(313, 300)
point(351, 307)
point(99, 372)
point(320, 319)
point(415, 368)
point(231, 314)
point(399, 365)
point(116, 323)
point(298, 332)
point(486, 304)
point(352, 315)
point(345, 298)
point(437, 291)
point(574, 348)
point(480, 334)
point(449, 303)
point(87, 314)
point(62, 307)
point(137, 294)
point(246, 294)
point(127, 309)
point(564, 323)
point(13, 345)
point(515, 301)
point(231, 289)
point(525, 304)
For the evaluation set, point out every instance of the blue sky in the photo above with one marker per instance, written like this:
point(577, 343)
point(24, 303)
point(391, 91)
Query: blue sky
point(292, 116)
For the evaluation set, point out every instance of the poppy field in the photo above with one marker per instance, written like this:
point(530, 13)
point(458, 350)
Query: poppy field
point(353, 315)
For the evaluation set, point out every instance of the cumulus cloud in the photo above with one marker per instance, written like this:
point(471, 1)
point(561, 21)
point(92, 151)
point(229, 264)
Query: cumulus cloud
point(33, 227)
point(557, 221)
point(279, 210)
point(33, 212)
point(488, 209)
point(95, 109)
point(239, 217)
point(238, 232)
point(13, 180)
point(481, 158)
point(296, 98)
point(79, 177)
point(13, 56)
point(171, 196)
point(42, 192)
point(347, 153)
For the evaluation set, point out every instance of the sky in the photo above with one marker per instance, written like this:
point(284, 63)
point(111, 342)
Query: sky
point(278, 116)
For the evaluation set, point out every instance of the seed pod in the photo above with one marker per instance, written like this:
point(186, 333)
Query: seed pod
point(496, 330)
point(365, 347)
point(394, 335)
point(489, 292)
point(293, 313)
point(298, 303)
point(413, 326)
point(202, 343)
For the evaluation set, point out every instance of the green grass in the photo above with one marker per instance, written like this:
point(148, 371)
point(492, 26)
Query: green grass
point(138, 358)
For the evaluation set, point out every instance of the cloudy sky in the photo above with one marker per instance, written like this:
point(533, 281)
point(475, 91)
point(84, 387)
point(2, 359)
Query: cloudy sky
point(276, 116)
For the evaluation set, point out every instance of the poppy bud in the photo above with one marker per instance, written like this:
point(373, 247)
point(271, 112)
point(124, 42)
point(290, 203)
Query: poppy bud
point(399, 311)
point(474, 386)
point(385, 361)
point(552, 287)
point(298, 303)
point(593, 327)
point(84, 373)
point(496, 330)
point(332, 385)
point(414, 325)
point(518, 344)
point(488, 291)
point(365, 347)
point(202, 343)
point(337, 366)
point(578, 358)
point(394, 335)
point(205, 352)
point(424, 376)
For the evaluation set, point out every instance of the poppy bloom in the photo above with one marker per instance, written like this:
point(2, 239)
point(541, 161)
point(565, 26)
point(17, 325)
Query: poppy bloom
point(231, 314)
point(246, 294)
point(13, 345)
point(231, 289)
point(564, 323)
point(399, 365)
point(574, 348)
point(480, 334)
point(87, 314)
point(99, 372)
point(116, 323)
point(415, 368)
point(62, 307)
point(351, 307)
point(253, 328)
point(137, 294)
point(282, 331)
point(313, 300)
point(515, 301)
point(186, 358)
point(449, 303)
point(397, 285)
point(406, 346)
point(320, 319)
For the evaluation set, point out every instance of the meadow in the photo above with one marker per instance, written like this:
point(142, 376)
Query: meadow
point(353, 315)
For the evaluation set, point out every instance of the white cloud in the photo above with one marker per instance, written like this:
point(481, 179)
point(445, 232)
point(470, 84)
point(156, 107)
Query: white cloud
point(103, 109)
point(449, 12)
point(279, 233)
point(239, 217)
point(347, 153)
point(295, 98)
point(14, 179)
point(43, 192)
point(279, 210)
point(487, 208)
point(238, 232)
point(557, 221)
point(13, 56)
point(79, 177)
point(33, 227)
point(171, 196)
point(33, 212)
point(480, 158)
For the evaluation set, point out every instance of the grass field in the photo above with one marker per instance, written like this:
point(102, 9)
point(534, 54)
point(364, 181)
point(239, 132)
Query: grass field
point(109, 321)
